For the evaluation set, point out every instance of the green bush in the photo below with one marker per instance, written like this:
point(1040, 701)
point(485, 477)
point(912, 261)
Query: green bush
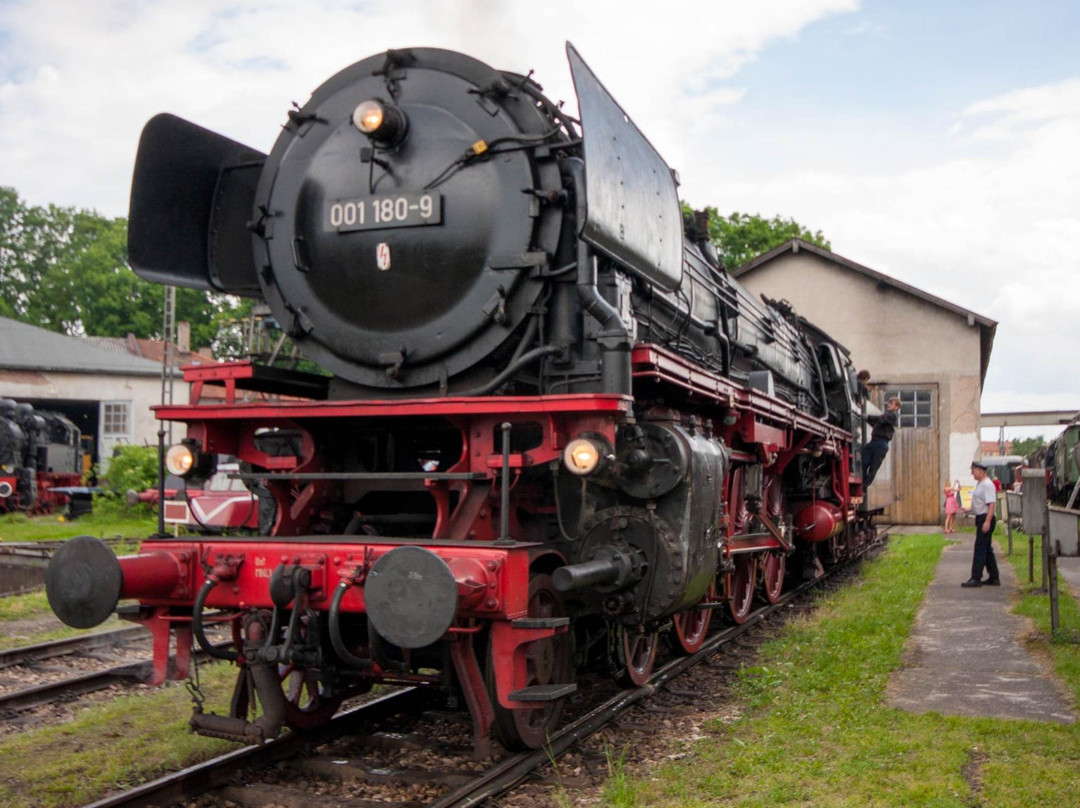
point(133, 468)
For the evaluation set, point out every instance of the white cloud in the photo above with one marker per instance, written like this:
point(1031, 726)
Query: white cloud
point(78, 79)
point(994, 230)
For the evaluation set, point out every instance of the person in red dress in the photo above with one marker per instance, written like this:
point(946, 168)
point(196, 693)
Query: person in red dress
point(952, 507)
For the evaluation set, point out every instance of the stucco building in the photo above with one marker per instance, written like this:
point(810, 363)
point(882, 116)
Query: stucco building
point(931, 353)
point(106, 393)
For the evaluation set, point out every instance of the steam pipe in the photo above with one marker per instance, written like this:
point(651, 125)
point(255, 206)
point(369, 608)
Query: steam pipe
point(336, 640)
point(526, 359)
point(161, 479)
point(197, 624)
point(504, 508)
point(615, 339)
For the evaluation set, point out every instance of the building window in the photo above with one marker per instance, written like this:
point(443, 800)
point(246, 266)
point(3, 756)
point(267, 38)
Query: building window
point(115, 422)
point(916, 407)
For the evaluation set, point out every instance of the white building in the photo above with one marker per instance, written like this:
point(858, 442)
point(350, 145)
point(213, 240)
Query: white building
point(106, 394)
point(932, 353)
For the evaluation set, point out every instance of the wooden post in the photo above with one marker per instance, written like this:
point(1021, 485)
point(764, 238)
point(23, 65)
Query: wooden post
point(1003, 509)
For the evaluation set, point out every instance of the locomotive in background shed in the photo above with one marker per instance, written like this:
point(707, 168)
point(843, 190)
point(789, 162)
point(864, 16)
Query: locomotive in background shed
point(557, 430)
point(41, 461)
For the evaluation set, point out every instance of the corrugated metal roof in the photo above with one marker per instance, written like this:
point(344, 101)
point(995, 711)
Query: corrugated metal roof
point(27, 347)
point(151, 349)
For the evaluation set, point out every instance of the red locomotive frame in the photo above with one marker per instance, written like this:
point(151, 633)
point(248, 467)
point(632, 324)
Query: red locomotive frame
point(492, 574)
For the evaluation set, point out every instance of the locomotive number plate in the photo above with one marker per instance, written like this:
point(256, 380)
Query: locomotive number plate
point(379, 212)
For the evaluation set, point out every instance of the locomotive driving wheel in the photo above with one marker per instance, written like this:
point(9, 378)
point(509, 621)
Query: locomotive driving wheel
point(740, 588)
point(774, 564)
point(690, 627)
point(548, 662)
point(638, 653)
point(773, 569)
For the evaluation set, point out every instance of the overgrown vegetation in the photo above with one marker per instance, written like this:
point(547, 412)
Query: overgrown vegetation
point(815, 727)
point(1025, 446)
point(133, 468)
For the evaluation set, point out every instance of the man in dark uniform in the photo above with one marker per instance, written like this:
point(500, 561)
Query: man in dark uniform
point(983, 502)
point(874, 452)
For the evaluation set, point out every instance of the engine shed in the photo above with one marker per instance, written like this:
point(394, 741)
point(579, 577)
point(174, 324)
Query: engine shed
point(106, 394)
point(931, 353)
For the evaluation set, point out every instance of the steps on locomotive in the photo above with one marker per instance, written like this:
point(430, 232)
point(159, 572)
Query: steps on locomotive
point(544, 692)
point(541, 693)
point(540, 622)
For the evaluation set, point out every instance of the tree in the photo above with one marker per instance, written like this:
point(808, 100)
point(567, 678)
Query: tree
point(66, 270)
point(1025, 446)
point(741, 237)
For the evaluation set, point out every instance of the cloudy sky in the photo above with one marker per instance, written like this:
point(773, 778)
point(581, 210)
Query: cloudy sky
point(937, 141)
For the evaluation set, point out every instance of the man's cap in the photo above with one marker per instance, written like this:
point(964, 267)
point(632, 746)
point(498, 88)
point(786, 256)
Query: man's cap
point(978, 464)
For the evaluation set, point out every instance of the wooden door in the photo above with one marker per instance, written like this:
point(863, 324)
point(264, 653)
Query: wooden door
point(908, 485)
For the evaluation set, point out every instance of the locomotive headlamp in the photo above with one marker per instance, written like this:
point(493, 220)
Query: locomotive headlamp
point(180, 459)
point(581, 456)
point(368, 117)
point(186, 459)
point(383, 123)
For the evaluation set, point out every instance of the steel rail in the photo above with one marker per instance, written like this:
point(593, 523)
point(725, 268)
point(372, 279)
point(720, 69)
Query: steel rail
point(52, 692)
point(48, 545)
point(65, 689)
point(86, 642)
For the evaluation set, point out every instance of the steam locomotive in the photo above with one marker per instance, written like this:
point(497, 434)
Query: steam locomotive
point(40, 461)
point(557, 433)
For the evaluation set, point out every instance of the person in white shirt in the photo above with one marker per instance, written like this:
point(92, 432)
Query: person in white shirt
point(983, 502)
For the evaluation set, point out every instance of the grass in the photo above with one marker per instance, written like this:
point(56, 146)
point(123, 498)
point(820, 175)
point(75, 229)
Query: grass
point(145, 734)
point(814, 728)
point(110, 522)
point(618, 789)
point(1063, 646)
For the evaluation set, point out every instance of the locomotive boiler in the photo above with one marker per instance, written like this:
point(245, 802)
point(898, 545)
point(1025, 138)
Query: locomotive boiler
point(555, 431)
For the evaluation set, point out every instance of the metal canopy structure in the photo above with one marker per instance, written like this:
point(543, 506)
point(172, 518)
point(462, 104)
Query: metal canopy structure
point(1030, 418)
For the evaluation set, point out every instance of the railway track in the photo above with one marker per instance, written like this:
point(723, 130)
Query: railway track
point(360, 752)
point(45, 548)
point(22, 564)
point(30, 654)
point(30, 677)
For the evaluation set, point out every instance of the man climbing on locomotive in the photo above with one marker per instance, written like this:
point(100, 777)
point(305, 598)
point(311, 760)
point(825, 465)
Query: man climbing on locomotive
point(874, 452)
